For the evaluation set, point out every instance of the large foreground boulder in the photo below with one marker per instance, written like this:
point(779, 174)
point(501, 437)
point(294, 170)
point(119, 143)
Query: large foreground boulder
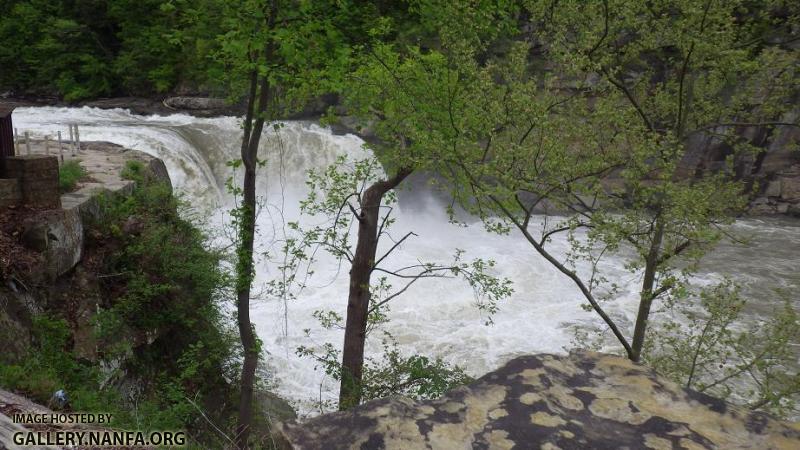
point(581, 401)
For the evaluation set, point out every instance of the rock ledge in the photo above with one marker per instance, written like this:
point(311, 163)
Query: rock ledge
point(581, 401)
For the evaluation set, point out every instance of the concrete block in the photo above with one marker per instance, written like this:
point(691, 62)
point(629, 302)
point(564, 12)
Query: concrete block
point(38, 179)
point(10, 194)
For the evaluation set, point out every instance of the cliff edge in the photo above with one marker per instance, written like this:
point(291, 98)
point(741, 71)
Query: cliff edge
point(581, 401)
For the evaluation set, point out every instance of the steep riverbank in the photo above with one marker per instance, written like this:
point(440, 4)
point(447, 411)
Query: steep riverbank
point(132, 322)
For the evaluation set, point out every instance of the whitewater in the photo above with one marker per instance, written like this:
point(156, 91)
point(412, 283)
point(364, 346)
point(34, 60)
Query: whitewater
point(436, 317)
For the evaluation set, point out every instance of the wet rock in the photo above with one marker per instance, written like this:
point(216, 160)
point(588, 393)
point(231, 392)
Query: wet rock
point(158, 170)
point(194, 103)
point(581, 401)
point(761, 206)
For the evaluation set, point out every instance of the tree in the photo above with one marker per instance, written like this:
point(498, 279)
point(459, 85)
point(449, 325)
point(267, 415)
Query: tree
point(285, 52)
point(254, 48)
point(82, 50)
point(585, 118)
point(400, 90)
point(693, 69)
point(358, 299)
point(348, 194)
point(714, 349)
point(600, 133)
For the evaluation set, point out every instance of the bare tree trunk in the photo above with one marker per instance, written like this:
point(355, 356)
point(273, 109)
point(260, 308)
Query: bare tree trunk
point(253, 127)
point(359, 296)
point(646, 296)
point(244, 277)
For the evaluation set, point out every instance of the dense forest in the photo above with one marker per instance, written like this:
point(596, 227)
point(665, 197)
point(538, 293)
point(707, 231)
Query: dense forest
point(570, 127)
point(87, 49)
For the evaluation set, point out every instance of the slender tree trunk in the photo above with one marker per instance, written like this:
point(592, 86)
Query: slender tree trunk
point(244, 277)
point(359, 296)
point(253, 127)
point(646, 296)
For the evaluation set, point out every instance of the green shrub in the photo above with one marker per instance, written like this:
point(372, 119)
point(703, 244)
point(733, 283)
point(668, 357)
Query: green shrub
point(69, 174)
point(49, 367)
point(167, 285)
point(134, 170)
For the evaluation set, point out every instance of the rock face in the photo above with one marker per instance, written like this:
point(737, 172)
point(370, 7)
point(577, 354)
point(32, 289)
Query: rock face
point(773, 175)
point(195, 103)
point(581, 401)
point(58, 236)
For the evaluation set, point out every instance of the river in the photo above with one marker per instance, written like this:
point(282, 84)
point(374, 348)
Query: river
point(434, 317)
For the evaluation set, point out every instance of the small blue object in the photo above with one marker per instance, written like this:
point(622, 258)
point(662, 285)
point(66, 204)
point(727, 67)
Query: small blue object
point(61, 397)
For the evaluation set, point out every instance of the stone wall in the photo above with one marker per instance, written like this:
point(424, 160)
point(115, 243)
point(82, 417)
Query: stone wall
point(10, 194)
point(37, 177)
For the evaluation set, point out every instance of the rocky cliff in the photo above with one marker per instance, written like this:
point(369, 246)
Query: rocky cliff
point(581, 401)
point(773, 174)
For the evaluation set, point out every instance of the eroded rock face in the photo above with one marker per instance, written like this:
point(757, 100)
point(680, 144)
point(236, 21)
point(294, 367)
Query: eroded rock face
point(581, 401)
point(773, 174)
point(58, 236)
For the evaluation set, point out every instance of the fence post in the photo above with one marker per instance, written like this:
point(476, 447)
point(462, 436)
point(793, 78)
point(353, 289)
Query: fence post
point(71, 140)
point(60, 148)
point(16, 141)
point(27, 143)
point(78, 137)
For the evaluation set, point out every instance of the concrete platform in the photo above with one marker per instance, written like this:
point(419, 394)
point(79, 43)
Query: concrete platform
point(59, 233)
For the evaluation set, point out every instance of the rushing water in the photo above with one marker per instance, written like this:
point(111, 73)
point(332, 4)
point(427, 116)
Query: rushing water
point(435, 317)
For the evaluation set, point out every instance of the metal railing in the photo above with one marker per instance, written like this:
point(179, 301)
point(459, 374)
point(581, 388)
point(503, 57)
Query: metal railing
point(59, 145)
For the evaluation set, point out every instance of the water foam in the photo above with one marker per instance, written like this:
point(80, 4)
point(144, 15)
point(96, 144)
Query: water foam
point(436, 317)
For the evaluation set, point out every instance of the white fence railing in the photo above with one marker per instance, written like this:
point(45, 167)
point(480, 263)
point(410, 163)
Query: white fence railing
point(59, 145)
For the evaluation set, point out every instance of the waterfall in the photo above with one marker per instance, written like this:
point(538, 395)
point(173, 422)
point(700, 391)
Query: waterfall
point(434, 317)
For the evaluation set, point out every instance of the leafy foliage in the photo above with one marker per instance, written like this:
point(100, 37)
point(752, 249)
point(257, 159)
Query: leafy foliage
point(716, 349)
point(160, 328)
point(87, 49)
point(69, 173)
point(133, 170)
point(392, 372)
point(165, 282)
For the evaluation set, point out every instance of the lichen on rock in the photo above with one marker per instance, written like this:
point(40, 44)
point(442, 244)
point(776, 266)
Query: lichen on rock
point(584, 400)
